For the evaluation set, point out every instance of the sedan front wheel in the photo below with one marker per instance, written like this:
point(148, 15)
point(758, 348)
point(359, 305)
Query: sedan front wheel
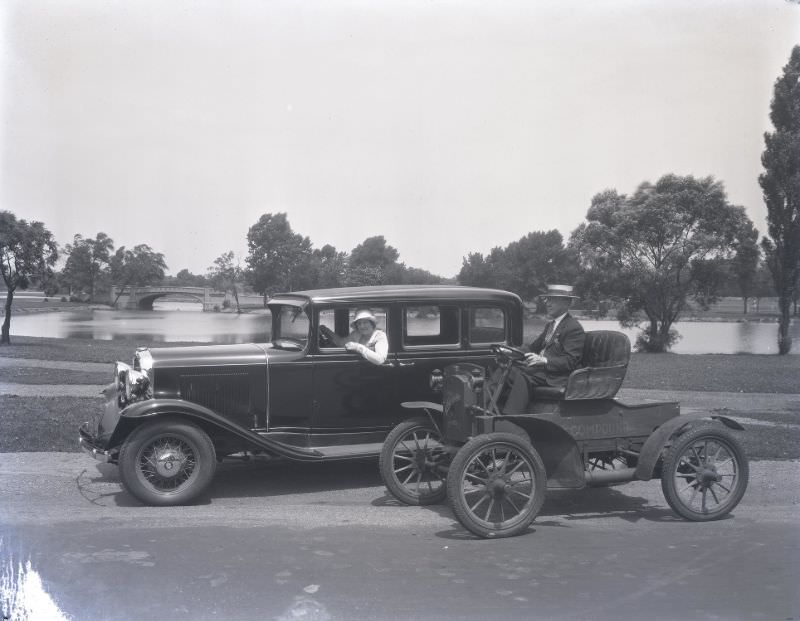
point(167, 462)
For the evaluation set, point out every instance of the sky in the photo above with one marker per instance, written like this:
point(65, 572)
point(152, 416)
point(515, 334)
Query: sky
point(449, 127)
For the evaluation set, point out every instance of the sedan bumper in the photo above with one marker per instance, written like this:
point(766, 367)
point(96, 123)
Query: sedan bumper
point(91, 445)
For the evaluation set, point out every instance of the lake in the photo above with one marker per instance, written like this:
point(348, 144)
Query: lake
point(181, 321)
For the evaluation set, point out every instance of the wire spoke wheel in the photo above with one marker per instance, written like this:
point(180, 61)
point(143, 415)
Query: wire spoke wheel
point(413, 463)
point(167, 462)
point(705, 474)
point(496, 485)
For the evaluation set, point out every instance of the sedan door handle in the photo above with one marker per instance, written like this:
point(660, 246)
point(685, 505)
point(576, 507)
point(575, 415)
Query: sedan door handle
point(406, 364)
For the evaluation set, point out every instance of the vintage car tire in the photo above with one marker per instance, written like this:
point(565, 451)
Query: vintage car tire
point(414, 478)
point(723, 477)
point(167, 441)
point(467, 491)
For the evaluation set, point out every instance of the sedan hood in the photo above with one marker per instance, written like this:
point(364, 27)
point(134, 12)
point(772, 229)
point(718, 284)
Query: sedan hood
point(208, 355)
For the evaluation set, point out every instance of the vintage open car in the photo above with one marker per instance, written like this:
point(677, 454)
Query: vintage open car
point(496, 467)
point(177, 411)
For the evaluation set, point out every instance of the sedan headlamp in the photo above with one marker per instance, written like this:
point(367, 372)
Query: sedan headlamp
point(132, 385)
point(137, 386)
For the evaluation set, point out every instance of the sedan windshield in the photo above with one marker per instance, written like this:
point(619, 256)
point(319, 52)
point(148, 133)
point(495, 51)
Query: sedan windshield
point(291, 327)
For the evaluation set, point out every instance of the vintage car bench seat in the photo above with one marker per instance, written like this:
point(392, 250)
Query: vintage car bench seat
point(605, 361)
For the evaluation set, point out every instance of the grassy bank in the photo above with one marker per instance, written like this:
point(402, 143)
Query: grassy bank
point(44, 423)
point(76, 350)
point(49, 423)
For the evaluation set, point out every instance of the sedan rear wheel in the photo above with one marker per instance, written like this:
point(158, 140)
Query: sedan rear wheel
point(167, 462)
point(412, 463)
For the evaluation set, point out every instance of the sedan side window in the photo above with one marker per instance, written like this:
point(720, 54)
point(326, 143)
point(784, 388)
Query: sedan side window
point(426, 326)
point(487, 324)
point(339, 322)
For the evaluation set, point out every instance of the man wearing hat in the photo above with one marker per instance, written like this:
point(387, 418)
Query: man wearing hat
point(555, 353)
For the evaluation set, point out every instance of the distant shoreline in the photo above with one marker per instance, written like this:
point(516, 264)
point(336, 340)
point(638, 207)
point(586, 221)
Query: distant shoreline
point(55, 306)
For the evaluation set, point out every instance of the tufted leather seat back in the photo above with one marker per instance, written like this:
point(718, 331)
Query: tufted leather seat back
point(605, 361)
point(606, 348)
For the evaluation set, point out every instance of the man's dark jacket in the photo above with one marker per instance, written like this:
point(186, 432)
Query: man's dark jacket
point(563, 352)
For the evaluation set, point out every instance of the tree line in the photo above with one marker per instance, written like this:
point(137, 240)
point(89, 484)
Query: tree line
point(651, 253)
point(645, 255)
point(674, 241)
point(278, 259)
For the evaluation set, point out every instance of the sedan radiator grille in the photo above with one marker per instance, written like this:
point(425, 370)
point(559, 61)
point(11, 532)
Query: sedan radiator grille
point(227, 394)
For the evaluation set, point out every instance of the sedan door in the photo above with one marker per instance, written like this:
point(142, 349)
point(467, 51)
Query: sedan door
point(350, 394)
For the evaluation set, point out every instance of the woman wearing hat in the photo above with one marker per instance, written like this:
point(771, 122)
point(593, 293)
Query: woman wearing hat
point(555, 353)
point(365, 339)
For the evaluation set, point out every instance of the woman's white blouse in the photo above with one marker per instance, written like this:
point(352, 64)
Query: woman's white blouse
point(376, 349)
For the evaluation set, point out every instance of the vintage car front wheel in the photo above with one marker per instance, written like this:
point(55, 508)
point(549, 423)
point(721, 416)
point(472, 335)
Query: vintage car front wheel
point(411, 463)
point(705, 473)
point(167, 462)
point(496, 485)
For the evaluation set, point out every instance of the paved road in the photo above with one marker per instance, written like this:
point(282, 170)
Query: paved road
point(323, 542)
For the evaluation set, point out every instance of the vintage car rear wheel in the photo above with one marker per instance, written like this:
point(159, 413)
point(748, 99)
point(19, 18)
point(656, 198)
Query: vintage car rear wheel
point(704, 474)
point(496, 485)
point(411, 462)
point(167, 462)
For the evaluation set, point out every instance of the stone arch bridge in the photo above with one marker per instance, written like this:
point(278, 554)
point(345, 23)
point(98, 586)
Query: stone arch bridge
point(142, 298)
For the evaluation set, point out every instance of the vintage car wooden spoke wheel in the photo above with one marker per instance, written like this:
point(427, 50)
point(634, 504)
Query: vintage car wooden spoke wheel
point(496, 485)
point(412, 463)
point(168, 462)
point(704, 474)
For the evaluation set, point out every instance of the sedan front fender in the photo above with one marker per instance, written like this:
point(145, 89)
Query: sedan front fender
point(136, 413)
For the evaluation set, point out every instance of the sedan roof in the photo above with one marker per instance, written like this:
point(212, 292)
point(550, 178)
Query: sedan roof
point(390, 293)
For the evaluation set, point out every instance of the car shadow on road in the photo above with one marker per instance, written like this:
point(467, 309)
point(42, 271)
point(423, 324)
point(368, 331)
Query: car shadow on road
point(246, 479)
point(566, 506)
point(252, 479)
point(268, 479)
point(588, 503)
point(387, 500)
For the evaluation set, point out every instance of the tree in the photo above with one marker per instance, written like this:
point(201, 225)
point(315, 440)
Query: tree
point(780, 184)
point(537, 259)
point(27, 252)
point(476, 271)
point(744, 264)
point(417, 276)
point(138, 267)
point(86, 260)
point(373, 262)
point(185, 278)
point(525, 266)
point(277, 255)
point(364, 275)
point(374, 252)
point(330, 266)
point(225, 274)
point(659, 248)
